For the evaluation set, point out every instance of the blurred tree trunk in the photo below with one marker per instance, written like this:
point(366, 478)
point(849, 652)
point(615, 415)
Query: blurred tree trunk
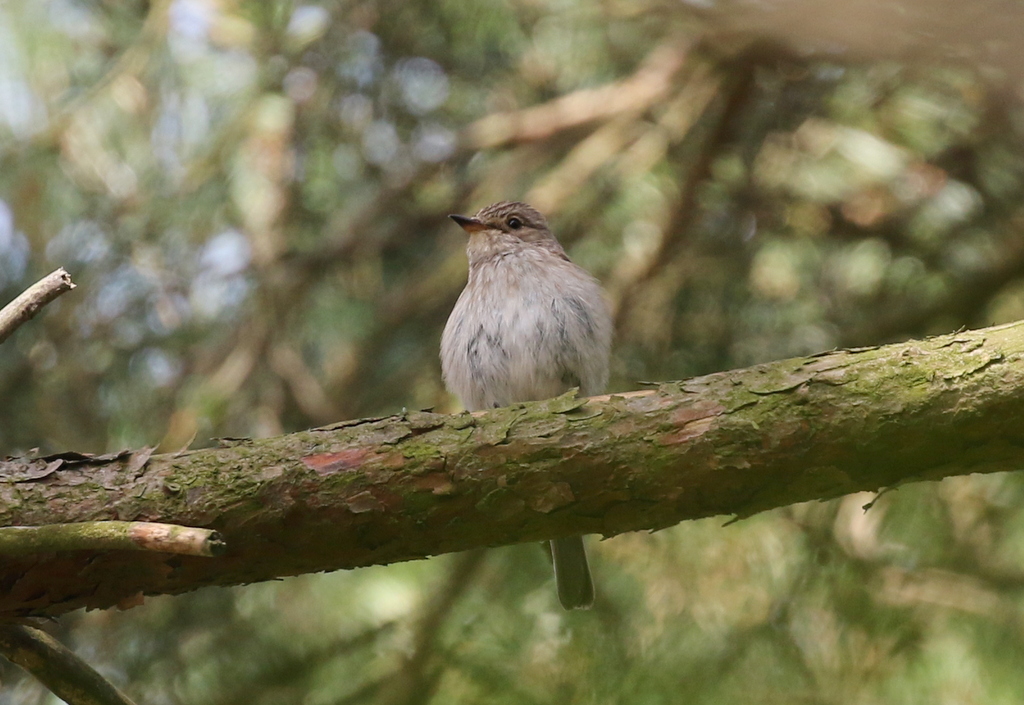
point(390, 489)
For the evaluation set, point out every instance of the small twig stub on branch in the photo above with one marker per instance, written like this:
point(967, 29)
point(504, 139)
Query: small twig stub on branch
point(110, 536)
point(32, 300)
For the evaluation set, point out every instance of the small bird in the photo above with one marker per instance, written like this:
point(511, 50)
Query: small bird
point(529, 325)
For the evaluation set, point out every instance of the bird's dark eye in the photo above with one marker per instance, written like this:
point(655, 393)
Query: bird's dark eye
point(514, 223)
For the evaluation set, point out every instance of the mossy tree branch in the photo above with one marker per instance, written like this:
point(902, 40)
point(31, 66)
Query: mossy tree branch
point(403, 487)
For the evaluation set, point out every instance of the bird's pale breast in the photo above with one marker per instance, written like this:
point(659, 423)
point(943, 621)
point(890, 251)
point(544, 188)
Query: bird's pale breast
point(526, 328)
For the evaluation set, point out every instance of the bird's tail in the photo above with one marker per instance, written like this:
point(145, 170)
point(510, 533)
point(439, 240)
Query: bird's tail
point(572, 573)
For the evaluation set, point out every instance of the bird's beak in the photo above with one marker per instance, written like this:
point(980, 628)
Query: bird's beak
point(470, 225)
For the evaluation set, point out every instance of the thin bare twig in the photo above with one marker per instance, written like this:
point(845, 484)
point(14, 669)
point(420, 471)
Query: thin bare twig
point(111, 535)
point(32, 299)
point(55, 666)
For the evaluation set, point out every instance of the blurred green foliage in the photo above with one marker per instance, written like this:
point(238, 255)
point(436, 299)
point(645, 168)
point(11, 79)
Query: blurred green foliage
point(251, 198)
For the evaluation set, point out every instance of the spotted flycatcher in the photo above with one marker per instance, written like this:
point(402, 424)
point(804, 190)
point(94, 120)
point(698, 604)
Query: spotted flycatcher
point(529, 325)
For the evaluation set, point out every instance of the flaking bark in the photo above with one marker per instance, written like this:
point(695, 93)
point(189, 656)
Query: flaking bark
point(403, 487)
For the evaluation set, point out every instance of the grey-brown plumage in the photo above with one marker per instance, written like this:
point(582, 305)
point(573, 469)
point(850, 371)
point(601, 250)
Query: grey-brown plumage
point(529, 325)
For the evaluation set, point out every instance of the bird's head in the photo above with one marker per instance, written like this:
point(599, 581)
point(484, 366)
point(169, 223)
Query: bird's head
point(506, 227)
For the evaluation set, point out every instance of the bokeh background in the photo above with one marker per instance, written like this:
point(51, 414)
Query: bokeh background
point(251, 197)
